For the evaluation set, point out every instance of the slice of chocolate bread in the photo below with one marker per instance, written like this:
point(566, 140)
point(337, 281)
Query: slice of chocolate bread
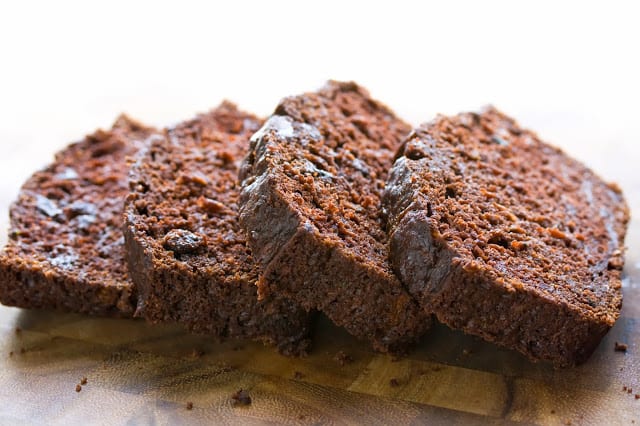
point(186, 253)
point(65, 248)
point(310, 204)
point(506, 237)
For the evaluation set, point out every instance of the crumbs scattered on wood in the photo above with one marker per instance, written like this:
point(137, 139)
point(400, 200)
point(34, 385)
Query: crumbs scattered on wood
point(189, 405)
point(11, 353)
point(620, 347)
point(83, 381)
point(343, 358)
point(23, 350)
point(18, 330)
point(78, 388)
point(241, 398)
point(637, 396)
point(394, 383)
point(298, 375)
point(553, 411)
point(466, 352)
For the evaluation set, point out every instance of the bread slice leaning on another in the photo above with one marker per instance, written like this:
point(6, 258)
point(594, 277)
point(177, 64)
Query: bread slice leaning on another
point(310, 205)
point(187, 254)
point(506, 237)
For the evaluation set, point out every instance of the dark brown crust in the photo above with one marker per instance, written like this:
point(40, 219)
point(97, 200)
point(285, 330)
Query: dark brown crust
point(65, 247)
point(507, 238)
point(311, 207)
point(186, 253)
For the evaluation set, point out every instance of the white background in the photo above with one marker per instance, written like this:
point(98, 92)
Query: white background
point(568, 70)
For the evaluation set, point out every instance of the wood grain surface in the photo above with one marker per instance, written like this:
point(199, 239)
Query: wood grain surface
point(142, 374)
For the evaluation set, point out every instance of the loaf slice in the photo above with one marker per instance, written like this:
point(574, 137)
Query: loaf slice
point(506, 237)
point(65, 248)
point(186, 253)
point(310, 205)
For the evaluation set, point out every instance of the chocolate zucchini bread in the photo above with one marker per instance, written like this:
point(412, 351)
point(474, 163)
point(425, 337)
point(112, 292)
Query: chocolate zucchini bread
point(506, 237)
point(65, 248)
point(186, 253)
point(310, 205)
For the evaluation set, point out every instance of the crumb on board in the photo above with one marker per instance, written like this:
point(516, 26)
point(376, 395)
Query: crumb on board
point(196, 353)
point(553, 411)
point(78, 388)
point(394, 383)
point(23, 350)
point(83, 381)
point(241, 397)
point(18, 330)
point(298, 375)
point(343, 358)
point(620, 347)
point(189, 405)
point(637, 396)
point(11, 353)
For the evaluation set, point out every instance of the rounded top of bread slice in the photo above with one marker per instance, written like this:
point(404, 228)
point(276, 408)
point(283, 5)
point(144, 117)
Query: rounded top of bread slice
point(326, 155)
point(183, 201)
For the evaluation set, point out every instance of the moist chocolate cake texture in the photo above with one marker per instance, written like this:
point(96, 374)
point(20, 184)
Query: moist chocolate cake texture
point(186, 252)
point(506, 237)
point(310, 205)
point(66, 249)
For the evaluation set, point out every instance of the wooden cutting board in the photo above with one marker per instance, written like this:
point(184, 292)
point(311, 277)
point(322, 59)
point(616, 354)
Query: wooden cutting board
point(148, 374)
point(143, 374)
